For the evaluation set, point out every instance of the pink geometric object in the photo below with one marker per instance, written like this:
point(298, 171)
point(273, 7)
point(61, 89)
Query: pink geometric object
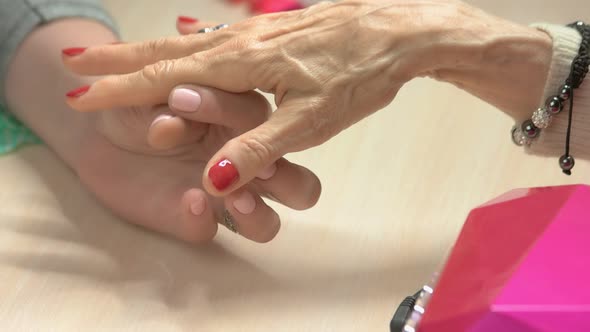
point(520, 265)
point(273, 6)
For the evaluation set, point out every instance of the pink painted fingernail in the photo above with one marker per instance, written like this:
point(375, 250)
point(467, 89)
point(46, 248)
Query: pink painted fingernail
point(198, 206)
point(161, 118)
point(245, 204)
point(223, 174)
point(185, 100)
point(79, 92)
point(187, 19)
point(73, 51)
point(268, 172)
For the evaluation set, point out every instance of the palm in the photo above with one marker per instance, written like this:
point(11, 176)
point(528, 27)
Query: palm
point(140, 183)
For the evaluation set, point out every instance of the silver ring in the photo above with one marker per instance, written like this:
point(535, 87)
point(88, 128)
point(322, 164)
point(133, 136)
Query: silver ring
point(229, 222)
point(213, 29)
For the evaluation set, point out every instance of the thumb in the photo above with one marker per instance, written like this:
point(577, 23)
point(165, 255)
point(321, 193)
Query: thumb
point(248, 156)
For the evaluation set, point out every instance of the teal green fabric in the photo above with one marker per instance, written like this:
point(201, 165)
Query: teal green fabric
point(13, 133)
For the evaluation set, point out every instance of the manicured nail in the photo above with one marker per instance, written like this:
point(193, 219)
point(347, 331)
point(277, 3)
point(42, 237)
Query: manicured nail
point(161, 118)
point(73, 51)
point(187, 19)
point(245, 204)
point(268, 172)
point(198, 206)
point(78, 92)
point(185, 100)
point(223, 174)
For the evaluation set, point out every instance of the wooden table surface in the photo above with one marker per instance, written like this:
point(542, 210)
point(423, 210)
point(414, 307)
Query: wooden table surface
point(397, 188)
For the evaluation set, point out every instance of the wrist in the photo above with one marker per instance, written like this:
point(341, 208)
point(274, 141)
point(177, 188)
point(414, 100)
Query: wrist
point(37, 83)
point(78, 131)
point(502, 63)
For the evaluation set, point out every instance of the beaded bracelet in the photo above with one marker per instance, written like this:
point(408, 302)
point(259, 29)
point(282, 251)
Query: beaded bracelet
point(541, 119)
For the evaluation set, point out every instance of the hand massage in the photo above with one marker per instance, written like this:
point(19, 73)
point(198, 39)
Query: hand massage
point(195, 139)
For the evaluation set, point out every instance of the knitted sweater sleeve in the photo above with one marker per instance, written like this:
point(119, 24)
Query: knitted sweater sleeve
point(551, 142)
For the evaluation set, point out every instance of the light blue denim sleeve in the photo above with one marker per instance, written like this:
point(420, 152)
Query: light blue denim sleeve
point(17, 19)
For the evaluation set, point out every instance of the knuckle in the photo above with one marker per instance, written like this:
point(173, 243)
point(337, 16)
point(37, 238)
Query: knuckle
point(199, 57)
point(242, 44)
point(153, 73)
point(257, 149)
point(238, 43)
point(154, 46)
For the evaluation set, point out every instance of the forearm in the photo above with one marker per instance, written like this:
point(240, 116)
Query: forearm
point(37, 81)
point(503, 63)
point(516, 68)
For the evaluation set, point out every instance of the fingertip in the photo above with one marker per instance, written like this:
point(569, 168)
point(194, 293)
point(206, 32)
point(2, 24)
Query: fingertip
point(198, 205)
point(254, 219)
point(267, 172)
point(74, 99)
point(241, 159)
point(198, 224)
point(166, 132)
point(271, 232)
point(183, 28)
point(185, 99)
point(186, 25)
point(240, 111)
point(70, 52)
point(292, 185)
point(315, 194)
point(311, 187)
point(78, 92)
point(245, 203)
point(183, 19)
point(220, 176)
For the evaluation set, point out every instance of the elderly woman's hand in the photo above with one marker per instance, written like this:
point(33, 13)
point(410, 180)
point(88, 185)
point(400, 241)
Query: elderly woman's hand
point(328, 66)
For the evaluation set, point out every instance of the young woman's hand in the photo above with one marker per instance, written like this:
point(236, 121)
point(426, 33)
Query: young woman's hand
point(156, 182)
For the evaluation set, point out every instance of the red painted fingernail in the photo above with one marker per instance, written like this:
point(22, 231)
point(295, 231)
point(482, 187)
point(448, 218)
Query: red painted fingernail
point(223, 174)
point(187, 19)
point(78, 92)
point(73, 51)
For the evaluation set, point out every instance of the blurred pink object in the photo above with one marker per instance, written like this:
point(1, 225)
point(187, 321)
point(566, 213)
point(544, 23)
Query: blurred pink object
point(273, 6)
point(520, 265)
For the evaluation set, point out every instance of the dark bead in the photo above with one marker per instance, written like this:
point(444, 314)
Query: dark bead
point(566, 163)
point(565, 92)
point(530, 129)
point(554, 105)
point(221, 26)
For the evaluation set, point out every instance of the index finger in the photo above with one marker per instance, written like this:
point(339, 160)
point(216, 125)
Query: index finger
point(151, 85)
point(127, 58)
